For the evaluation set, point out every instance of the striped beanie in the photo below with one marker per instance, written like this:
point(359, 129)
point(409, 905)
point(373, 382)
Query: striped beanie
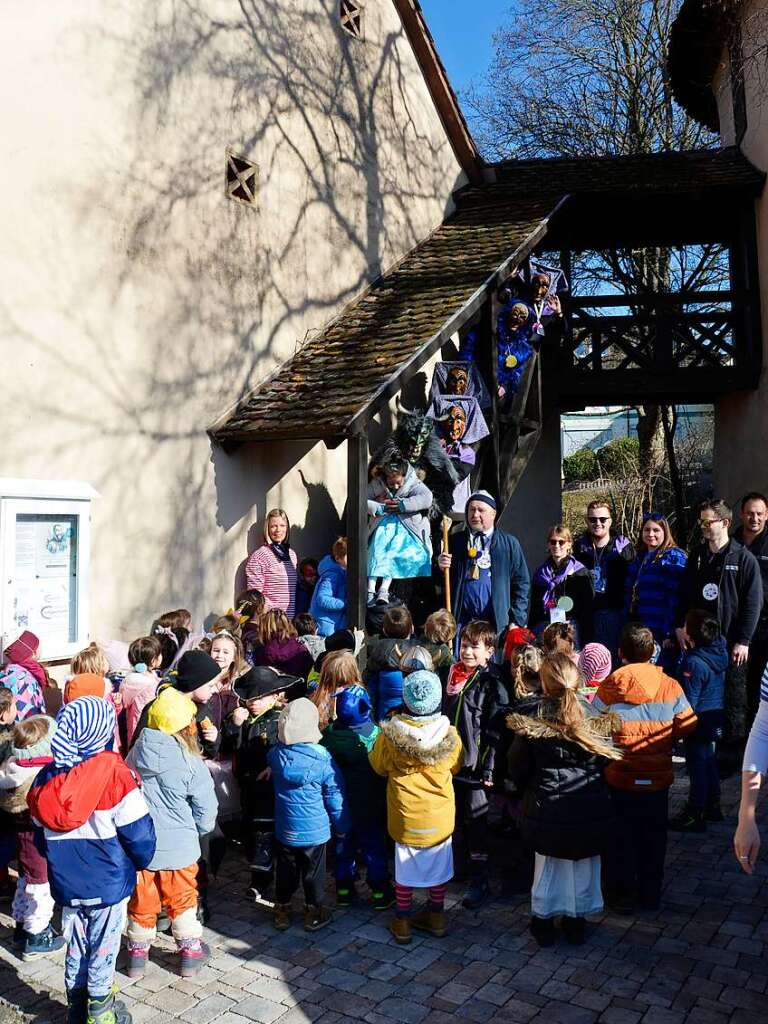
point(83, 728)
point(594, 663)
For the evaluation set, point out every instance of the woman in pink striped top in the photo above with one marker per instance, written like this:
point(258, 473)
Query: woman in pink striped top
point(271, 568)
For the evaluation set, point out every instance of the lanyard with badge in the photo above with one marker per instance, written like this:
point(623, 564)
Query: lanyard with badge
point(479, 555)
point(598, 579)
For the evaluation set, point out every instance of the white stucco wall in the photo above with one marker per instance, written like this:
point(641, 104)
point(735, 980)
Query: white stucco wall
point(137, 302)
point(741, 420)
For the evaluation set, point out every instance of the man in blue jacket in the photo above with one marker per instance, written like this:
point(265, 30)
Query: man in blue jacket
point(489, 577)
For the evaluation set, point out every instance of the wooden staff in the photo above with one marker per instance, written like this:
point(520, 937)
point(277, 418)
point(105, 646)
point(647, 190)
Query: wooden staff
point(446, 572)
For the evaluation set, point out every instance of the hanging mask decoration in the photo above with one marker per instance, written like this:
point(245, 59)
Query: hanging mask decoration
point(457, 381)
point(455, 423)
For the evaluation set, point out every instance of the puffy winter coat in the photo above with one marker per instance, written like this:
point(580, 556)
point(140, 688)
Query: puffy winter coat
point(566, 800)
point(309, 794)
point(179, 791)
point(384, 679)
point(702, 676)
point(349, 748)
point(654, 713)
point(97, 829)
point(137, 690)
point(19, 769)
point(329, 600)
point(415, 502)
point(26, 690)
point(653, 590)
point(418, 756)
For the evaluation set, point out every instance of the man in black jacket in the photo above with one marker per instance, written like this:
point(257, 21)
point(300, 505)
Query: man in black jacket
point(753, 534)
point(721, 576)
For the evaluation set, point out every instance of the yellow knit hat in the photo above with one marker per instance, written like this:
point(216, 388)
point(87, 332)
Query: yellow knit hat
point(171, 711)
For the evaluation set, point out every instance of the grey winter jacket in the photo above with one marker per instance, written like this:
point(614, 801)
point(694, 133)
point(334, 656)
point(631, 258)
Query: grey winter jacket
point(179, 791)
point(415, 502)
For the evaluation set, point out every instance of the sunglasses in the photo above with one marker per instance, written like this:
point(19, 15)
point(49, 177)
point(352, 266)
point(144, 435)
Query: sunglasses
point(709, 522)
point(598, 519)
point(556, 542)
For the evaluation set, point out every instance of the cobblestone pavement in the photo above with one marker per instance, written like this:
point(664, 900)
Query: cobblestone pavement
point(699, 960)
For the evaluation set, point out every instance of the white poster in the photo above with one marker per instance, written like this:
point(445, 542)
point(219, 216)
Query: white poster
point(46, 577)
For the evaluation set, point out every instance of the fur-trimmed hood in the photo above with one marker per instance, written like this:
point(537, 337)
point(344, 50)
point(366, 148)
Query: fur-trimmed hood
point(422, 741)
point(547, 726)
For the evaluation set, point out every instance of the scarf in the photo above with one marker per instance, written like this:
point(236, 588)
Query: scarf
point(457, 678)
point(83, 729)
point(281, 551)
point(548, 577)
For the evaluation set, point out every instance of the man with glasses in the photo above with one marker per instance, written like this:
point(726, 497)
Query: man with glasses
point(607, 557)
point(754, 536)
point(723, 577)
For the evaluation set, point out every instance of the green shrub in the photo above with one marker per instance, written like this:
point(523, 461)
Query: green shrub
point(619, 458)
point(581, 466)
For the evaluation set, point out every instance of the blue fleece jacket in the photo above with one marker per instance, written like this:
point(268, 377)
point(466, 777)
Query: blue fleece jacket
point(309, 794)
point(702, 676)
point(652, 590)
point(329, 601)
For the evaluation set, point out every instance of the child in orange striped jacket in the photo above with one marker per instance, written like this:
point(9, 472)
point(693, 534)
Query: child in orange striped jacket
point(654, 713)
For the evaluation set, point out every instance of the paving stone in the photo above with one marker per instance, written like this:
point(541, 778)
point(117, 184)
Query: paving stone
point(263, 1011)
point(396, 1009)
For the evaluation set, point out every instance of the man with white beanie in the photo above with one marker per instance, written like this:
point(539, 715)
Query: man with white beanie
point(489, 577)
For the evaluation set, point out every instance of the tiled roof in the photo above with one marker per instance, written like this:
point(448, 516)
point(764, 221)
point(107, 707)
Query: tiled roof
point(342, 376)
point(698, 170)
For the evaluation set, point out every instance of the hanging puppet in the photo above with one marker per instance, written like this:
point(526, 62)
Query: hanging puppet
point(542, 287)
point(461, 423)
point(416, 441)
point(514, 326)
point(462, 379)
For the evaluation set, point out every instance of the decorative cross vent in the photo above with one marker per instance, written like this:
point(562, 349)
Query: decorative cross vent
point(242, 179)
point(351, 15)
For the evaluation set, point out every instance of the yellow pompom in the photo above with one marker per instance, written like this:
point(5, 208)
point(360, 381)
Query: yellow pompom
point(473, 552)
point(510, 361)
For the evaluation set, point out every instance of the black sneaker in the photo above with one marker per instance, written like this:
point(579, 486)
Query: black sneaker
point(384, 898)
point(477, 894)
point(42, 944)
point(689, 820)
point(543, 930)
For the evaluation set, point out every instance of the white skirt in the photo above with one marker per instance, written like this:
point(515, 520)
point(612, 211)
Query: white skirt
point(570, 887)
point(423, 866)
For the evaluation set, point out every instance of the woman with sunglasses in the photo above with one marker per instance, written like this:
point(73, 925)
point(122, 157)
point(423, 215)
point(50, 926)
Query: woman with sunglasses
point(562, 587)
point(654, 578)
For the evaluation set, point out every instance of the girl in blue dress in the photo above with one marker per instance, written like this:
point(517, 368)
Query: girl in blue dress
point(399, 544)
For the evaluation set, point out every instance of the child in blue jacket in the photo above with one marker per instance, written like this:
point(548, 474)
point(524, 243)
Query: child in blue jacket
point(309, 797)
point(97, 834)
point(702, 677)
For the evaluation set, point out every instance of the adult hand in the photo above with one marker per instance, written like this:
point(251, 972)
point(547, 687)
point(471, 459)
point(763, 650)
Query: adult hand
point(264, 776)
point(746, 844)
point(239, 715)
point(210, 732)
point(739, 654)
point(683, 639)
point(554, 304)
point(444, 561)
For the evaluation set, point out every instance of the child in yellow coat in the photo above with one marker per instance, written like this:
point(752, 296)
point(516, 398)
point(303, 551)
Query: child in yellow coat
point(419, 751)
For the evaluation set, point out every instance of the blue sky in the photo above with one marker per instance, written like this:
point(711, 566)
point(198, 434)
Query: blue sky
point(462, 30)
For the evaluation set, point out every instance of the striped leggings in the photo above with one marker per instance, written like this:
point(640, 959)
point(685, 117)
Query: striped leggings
point(404, 898)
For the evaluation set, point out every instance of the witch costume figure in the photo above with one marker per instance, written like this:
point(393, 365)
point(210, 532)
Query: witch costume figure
point(542, 285)
point(514, 326)
point(399, 543)
point(461, 379)
point(460, 423)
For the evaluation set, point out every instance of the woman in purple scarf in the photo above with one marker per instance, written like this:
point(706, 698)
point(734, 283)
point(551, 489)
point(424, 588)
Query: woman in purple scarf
point(561, 587)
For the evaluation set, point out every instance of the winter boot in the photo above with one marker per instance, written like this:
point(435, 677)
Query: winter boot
point(574, 929)
point(281, 916)
point(401, 929)
point(543, 930)
point(316, 918)
point(138, 954)
point(77, 1006)
point(432, 921)
point(345, 892)
point(691, 819)
point(42, 944)
point(107, 1010)
point(194, 955)
point(479, 891)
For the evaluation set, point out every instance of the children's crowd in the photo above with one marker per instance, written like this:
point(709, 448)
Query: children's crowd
point(261, 739)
